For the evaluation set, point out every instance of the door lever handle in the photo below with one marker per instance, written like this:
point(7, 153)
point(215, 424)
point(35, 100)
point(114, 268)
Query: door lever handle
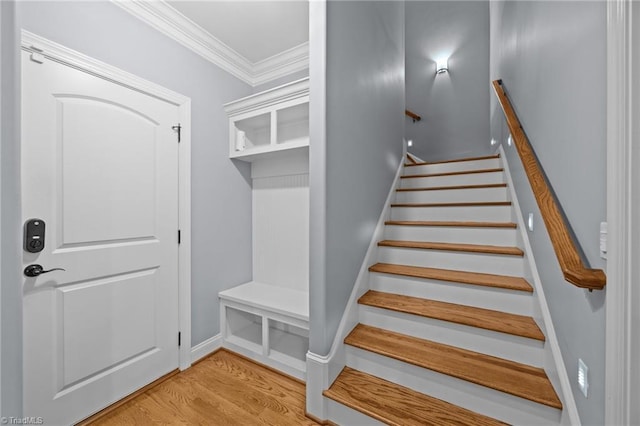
point(35, 270)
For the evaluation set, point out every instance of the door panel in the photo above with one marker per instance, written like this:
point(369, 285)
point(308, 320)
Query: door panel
point(96, 203)
point(100, 167)
point(103, 323)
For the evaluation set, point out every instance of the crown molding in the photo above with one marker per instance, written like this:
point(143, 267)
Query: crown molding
point(164, 18)
point(175, 25)
point(277, 95)
point(284, 63)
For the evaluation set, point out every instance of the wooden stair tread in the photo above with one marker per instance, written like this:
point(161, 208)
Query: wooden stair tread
point(459, 160)
point(452, 223)
point(410, 158)
point(474, 278)
point(463, 204)
point(502, 322)
point(462, 172)
point(397, 405)
point(470, 248)
point(496, 373)
point(447, 188)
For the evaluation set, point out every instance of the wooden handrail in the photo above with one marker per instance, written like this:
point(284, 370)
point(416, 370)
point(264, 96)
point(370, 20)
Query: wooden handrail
point(573, 268)
point(415, 117)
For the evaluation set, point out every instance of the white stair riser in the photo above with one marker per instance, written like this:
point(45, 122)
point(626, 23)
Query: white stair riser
point(452, 195)
point(343, 415)
point(452, 234)
point(458, 166)
point(467, 214)
point(464, 179)
point(502, 406)
point(473, 262)
point(514, 348)
point(497, 299)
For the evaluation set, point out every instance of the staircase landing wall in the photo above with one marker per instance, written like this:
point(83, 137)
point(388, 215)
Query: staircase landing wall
point(454, 106)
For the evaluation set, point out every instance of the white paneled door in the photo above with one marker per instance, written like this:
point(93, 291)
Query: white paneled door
point(100, 171)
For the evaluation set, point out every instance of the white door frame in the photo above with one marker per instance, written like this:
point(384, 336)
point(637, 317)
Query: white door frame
point(58, 53)
point(623, 99)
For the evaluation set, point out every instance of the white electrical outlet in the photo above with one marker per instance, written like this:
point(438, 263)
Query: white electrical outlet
point(603, 240)
point(583, 377)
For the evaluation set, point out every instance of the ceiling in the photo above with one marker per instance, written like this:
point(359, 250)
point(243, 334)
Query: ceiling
point(255, 29)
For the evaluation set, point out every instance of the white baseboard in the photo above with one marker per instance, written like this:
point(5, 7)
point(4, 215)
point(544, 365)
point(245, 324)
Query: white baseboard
point(554, 364)
point(205, 348)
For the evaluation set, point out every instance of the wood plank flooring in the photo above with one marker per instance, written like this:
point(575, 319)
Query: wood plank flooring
point(452, 224)
point(463, 172)
point(465, 204)
point(397, 405)
point(462, 277)
point(507, 376)
point(469, 248)
point(502, 322)
point(453, 187)
point(223, 389)
point(458, 160)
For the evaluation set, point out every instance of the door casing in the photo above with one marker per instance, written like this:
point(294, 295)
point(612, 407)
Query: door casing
point(623, 205)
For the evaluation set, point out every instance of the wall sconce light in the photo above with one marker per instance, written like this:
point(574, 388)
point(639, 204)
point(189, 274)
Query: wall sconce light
point(410, 142)
point(442, 65)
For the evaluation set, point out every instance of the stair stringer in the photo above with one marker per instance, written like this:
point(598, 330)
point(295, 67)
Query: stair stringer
point(553, 362)
point(323, 370)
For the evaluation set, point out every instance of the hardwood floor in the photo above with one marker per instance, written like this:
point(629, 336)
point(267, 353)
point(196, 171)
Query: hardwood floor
point(397, 405)
point(502, 322)
point(449, 275)
point(507, 376)
point(223, 389)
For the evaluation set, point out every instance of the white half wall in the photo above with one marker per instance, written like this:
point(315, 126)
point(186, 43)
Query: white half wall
point(357, 129)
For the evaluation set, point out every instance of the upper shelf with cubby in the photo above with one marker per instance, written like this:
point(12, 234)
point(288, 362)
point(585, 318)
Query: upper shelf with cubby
point(268, 122)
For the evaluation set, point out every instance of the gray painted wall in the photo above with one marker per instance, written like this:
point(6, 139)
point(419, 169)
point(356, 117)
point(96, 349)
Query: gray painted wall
point(10, 229)
point(221, 189)
point(454, 106)
point(552, 59)
point(364, 131)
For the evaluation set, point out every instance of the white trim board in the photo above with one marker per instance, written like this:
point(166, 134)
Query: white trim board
point(622, 299)
point(205, 348)
point(56, 52)
point(164, 18)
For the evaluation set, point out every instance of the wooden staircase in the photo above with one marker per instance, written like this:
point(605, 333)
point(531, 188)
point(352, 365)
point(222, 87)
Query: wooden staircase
point(446, 333)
